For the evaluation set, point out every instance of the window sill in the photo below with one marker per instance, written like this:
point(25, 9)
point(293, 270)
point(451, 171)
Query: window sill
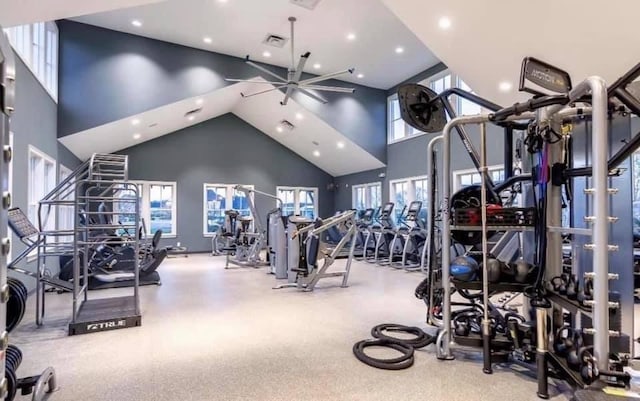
point(405, 138)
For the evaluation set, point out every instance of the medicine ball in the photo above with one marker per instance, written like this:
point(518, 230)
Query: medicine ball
point(464, 268)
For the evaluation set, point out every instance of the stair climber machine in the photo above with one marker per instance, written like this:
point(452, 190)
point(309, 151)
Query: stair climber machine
point(369, 237)
point(382, 234)
point(306, 250)
point(577, 323)
point(392, 248)
point(363, 225)
point(410, 239)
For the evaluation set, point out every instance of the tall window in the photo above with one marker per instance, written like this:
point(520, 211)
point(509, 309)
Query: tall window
point(465, 178)
point(440, 84)
point(66, 212)
point(37, 46)
point(299, 201)
point(466, 107)
point(219, 198)
point(42, 179)
point(407, 190)
point(157, 200)
point(366, 196)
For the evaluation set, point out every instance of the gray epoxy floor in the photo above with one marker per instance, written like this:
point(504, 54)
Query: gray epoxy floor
point(215, 334)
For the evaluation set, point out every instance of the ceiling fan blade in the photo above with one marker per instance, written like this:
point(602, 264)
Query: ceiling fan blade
point(287, 95)
point(300, 69)
point(325, 77)
point(252, 81)
point(261, 68)
point(329, 88)
point(264, 91)
point(313, 95)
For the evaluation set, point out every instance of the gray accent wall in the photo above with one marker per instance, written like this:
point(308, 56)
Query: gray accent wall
point(224, 150)
point(34, 123)
point(344, 193)
point(107, 75)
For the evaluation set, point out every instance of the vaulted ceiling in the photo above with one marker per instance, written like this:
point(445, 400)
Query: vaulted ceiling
point(486, 40)
point(238, 28)
point(311, 137)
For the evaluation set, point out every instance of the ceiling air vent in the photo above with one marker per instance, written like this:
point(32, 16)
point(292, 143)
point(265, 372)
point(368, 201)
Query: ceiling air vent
point(275, 40)
point(308, 4)
point(287, 125)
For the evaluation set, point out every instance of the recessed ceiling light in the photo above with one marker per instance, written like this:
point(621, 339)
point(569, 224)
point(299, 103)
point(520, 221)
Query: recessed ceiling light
point(266, 54)
point(361, 75)
point(351, 36)
point(135, 121)
point(340, 145)
point(279, 129)
point(317, 66)
point(137, 136)
point(316, 153)
point(505, 86)
point(222, 1)
point(207, 40)
point(299, 116)
point(199, 101)
point(191, 117)
point(444, 23)
point(136, 23)
point(399, 49)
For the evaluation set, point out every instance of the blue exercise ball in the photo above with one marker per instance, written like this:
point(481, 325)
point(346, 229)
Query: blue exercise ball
point(464, 268)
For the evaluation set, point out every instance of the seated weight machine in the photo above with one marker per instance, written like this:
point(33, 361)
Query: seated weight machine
point(249, 244)
point(310, 250)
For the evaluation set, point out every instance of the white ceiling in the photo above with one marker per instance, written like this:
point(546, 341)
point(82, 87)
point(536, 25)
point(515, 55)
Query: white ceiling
point(18, 12)
point(488, 39)
point(264, 112)
point(238, 27)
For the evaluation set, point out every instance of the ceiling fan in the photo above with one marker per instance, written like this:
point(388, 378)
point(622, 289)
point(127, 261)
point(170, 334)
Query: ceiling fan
point(292, 82)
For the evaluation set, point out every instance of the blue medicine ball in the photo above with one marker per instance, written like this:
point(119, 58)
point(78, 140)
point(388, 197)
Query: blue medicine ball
point(464, 268)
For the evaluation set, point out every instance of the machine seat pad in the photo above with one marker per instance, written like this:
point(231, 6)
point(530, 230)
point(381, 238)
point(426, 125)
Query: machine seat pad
point(313, 248)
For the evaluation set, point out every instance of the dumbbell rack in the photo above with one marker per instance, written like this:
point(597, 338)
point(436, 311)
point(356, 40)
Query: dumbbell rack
point(11, 356)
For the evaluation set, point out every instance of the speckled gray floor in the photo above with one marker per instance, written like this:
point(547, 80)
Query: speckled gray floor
point(215, 334)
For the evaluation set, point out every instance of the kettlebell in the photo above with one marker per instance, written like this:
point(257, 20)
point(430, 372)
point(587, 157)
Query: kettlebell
point(588, 368)
point(508, 272)
point(573, 357)
point(572, 288)
point(523, 269)
point(494, 270)
point(563, 341)
point(581, 297)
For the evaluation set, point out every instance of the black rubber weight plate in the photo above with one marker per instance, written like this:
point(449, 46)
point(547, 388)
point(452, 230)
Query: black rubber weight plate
point(20, 291)
point(20, 285)
point(12, 384)
point(403, 362)
point(15, 308)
